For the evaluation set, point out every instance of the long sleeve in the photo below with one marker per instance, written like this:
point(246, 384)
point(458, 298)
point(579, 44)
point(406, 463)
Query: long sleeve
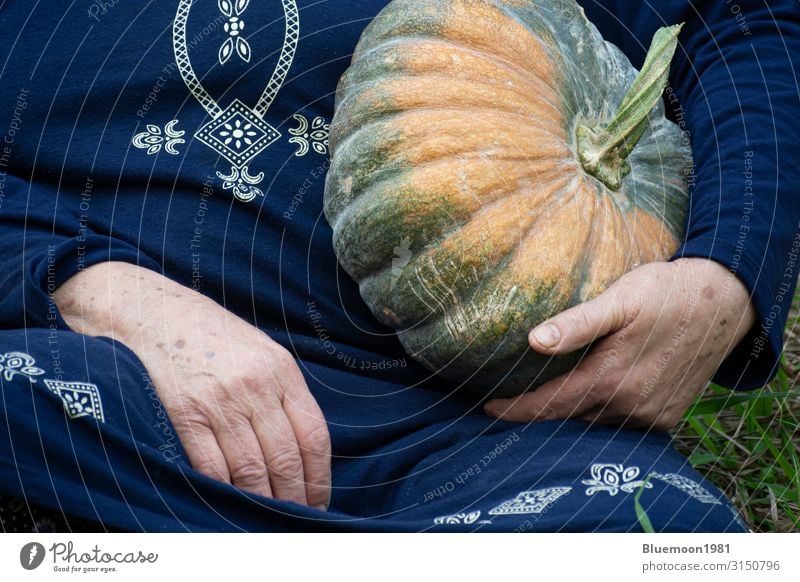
point(42, 248)
point(58, 202)
point(734, 90)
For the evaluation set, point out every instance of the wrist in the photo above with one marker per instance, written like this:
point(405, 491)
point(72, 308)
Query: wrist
point(108, 299)
point(729, 291)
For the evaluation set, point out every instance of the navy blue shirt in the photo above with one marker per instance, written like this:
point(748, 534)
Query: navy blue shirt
point(115, 124)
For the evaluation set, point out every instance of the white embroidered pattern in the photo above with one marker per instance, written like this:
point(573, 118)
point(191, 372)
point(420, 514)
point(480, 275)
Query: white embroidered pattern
point(316, 136)
point(612, 478)
point(181, 49)
point(291, 38)
point(234, 26)
point(688, 486)
point(242, 183)
point(238, 133)
point(535, 501)
point(153, 139)
point(458, 518)
point(79, 398)
point(19, 363)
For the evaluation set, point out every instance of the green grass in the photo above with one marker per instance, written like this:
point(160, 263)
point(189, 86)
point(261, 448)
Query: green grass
point(747, 443)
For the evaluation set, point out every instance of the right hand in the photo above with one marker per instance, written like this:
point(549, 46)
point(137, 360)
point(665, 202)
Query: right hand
point(236, 398)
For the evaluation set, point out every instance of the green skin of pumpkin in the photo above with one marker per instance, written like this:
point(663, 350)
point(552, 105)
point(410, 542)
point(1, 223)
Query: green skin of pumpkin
point(380, 238)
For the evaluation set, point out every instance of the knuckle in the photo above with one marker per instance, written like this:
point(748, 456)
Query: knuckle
point(547, 410)
point(256, 383)
point(189, 414)
point(248, 471)
point(251, 377)
point(583, 323)
point(316, 439)
point(632, 305)
point(577, 392)
point(286, 464)
point(282, 358)
point(222, 412)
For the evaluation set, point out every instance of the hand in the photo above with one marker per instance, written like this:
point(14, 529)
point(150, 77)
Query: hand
point(663, 329)
point(237, 399)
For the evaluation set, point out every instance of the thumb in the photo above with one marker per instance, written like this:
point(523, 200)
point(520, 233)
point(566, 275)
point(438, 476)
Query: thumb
point(580, 325)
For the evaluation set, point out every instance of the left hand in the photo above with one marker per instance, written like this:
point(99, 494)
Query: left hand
point(662, 331)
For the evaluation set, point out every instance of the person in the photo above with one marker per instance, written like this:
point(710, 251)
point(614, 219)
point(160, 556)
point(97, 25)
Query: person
point(180, 351)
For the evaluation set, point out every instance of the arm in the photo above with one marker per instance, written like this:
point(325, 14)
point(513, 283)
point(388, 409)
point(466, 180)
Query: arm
point(244, 415)
point(736, 91)
point(81, 229)
point(664, 329)
point(237, 399)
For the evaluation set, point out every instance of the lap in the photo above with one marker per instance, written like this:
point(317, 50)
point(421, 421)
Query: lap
point(549, 476)
point(89, 437)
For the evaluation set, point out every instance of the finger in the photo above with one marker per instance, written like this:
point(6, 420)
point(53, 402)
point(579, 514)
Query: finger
point(314, 443)
point(284, 463)
point(203, 450)
point(601, 415)
point(567, 396)
point(605, 415)
point(580, 325)
point(243, 455)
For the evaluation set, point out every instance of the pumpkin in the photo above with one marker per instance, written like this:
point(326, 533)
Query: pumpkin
point(494, 162)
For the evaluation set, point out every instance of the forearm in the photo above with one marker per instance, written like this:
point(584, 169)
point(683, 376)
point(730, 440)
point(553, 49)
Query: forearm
point(734, 92)
point(113, 299)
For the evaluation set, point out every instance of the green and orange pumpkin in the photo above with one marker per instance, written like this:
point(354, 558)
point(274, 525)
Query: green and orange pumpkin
point(495, 162)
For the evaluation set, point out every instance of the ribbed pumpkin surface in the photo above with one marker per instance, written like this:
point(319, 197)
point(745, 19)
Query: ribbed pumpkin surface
point(456, 196)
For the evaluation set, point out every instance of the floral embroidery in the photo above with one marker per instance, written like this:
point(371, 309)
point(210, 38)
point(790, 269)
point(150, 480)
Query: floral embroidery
point(315, 137)
point(153, 139)
point(458, 518)
point(688, 486)
point(535, 501)
point(238, 132)
point(234, 26)
point(13, 363)
point(79, 398)
point(242, 183)
point(612, 478)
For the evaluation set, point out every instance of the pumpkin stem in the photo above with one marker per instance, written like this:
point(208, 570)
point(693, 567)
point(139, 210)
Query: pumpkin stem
point(603, 149)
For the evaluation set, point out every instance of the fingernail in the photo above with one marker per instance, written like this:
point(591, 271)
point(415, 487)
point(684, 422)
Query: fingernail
point(321, 507)
point(546, 335)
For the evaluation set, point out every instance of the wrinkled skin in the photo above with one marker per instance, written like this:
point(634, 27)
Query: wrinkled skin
point(237, 399)
point(662, 331)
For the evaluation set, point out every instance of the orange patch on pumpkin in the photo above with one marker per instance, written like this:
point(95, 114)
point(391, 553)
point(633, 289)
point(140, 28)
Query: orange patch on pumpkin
point(612, 248)
point(556, 246)
point(655, 241)
point(485, 27)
